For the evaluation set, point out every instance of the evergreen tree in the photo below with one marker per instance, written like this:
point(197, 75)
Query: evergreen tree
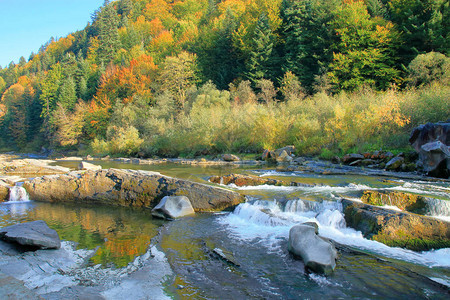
point(308, 37)
point(258, 64)
point(67, 94)
point(107, 24)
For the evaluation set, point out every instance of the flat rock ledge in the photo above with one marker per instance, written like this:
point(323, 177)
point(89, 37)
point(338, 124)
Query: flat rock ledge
point(248, 180)
point(34, 234)
point(397, 229)
point(129, 188)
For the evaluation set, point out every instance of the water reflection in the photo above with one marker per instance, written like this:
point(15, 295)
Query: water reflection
point(120, 234)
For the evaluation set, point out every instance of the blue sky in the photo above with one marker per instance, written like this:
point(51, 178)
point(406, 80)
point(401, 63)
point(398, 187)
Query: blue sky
point(25, 25)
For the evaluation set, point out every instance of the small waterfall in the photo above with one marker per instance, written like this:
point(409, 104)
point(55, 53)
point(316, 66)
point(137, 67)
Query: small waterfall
point(437, 207)
point(18, 194)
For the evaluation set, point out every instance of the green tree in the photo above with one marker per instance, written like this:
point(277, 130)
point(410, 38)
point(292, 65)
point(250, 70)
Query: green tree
point(107, 22)
point(67, 94)
point(426, 68)
point(177, 74)
point(423, 24)
point(365, 52)
point(259, 63)
point(50, 90)
point(308, 38)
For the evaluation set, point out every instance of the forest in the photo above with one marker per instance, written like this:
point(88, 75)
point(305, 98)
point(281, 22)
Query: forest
point(202, 77)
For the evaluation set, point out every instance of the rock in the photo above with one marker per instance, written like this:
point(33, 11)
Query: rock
point(349, 158)
point(283, 157)
point(317, 254)
point(230, 157)
point(4, 191)
point(89, 157)
point(435, 159)
point(430, 132)
point(397, 229)
point(88, 166)
point(226, 256)
point(34, 234)
point(395, 163)
point(355, 163)
point(248, 180)
point(289, 150)
point(30, 166)
point(265, 155)
point(129, 188)
point(172, 207)
point(12, 288)
point(404, 201)
point(70, 158)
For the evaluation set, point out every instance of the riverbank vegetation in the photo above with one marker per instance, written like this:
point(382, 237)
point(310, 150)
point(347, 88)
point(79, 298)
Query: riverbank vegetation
point(171, 78)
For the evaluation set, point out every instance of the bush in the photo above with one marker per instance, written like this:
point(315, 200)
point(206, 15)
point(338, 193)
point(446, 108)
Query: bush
point(426, 68)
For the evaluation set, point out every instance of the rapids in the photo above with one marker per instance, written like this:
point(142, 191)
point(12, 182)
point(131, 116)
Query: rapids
point(254, 238)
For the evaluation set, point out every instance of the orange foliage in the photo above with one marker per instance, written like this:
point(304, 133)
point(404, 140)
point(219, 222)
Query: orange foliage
point(124, 83)
point(57, 48)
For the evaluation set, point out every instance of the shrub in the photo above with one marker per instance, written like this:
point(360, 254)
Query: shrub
point(429, 67)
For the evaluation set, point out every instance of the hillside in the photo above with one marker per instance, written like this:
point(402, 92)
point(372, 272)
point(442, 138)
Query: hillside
point(190, 77)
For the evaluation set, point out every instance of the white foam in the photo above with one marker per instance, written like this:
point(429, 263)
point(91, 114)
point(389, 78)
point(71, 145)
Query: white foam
point(18, 194)
point(265, 223)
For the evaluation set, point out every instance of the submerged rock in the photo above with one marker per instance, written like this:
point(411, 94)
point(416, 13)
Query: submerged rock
point(397, 229)
point(12, 288)
point(32, 234)
point(318, 254)
point(248, 180)
point(128, 188)
point(172, 207)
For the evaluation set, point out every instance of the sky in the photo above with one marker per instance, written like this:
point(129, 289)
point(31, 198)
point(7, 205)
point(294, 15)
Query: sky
point(25, 25)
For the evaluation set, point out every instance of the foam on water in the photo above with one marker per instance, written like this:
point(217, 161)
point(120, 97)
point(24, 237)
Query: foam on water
point(18, 194)
point(266, 222)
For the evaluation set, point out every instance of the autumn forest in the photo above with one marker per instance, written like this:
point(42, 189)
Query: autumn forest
point(203, 77)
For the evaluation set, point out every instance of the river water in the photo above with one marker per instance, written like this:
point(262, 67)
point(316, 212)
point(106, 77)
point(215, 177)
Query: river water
point(254, 239)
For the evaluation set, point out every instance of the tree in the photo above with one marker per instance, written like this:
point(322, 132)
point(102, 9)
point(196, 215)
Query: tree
point(308, 37)
point(426, 68)
point(50, 90)
point(107, 23)
point(258, 64)
point(178, 73)
point(423, 24)
point(365, 52)
point(67, 94)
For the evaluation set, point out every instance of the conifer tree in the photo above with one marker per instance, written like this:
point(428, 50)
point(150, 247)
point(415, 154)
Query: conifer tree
point(258, 64)
point(107, 24)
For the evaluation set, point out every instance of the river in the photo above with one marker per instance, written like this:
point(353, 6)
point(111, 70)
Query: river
point(254, 238)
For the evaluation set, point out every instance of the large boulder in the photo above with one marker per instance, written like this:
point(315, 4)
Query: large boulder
point(128, 188)
point(172, 207)
point(432, 142)
point(32, 234)
point(435, 159)
point(318, 254)
point(397, 229)
point(430, 132)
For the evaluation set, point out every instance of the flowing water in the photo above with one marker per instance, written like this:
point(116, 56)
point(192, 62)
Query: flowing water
point(254, 239)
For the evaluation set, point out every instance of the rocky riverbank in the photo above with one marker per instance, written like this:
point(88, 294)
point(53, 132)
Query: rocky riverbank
point(128, 188)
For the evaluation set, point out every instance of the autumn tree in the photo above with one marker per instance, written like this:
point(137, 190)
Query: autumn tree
point(365, 50)
point(178, 73)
